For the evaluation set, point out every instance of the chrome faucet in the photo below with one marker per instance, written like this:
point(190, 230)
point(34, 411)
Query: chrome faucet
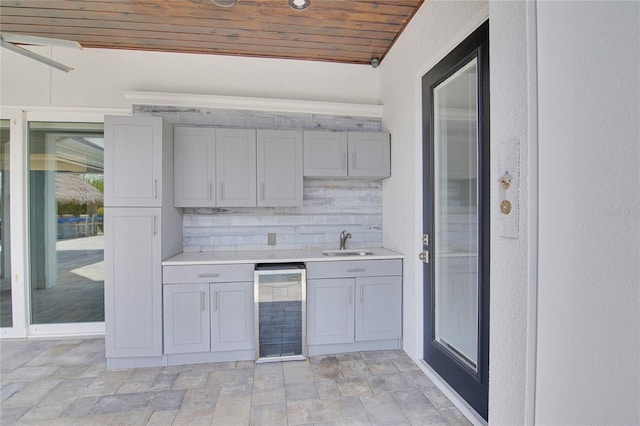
point(344, 235)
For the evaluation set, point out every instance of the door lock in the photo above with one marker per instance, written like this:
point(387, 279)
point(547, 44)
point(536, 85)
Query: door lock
point(424, 256)
point(505, 207)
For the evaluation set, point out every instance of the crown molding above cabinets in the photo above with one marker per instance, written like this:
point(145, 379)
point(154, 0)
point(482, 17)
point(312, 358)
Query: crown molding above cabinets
point(254, 104)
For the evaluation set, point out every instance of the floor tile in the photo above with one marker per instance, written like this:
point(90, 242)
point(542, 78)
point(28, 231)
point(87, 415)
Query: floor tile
point(353, 386)
point(312, 411)
point(269, 414)
point(65, 382)
point(389, 383)
point(300, 391)
point(383, 410)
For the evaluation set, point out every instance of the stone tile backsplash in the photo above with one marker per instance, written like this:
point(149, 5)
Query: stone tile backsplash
point(329, 205)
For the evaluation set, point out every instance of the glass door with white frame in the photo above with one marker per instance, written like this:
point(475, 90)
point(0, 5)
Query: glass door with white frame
point(66, 236)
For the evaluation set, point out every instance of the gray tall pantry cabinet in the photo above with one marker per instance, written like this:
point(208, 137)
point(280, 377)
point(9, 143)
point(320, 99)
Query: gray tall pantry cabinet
point(142, 227)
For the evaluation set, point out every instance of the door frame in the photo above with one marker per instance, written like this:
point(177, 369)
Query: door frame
point(472, 386)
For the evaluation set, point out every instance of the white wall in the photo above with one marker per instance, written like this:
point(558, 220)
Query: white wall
point(101, 75)
point(511, 267)
point(589, 284)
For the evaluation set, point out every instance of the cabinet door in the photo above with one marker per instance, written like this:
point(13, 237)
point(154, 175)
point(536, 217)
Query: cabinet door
point(194, 166)
point(378, 308)
point(325, 154)
point(279, 168)
point(132, 161)
point(330, 311)
point(231, 316)
point(236, 167)
point(186, 318)
point(133, 282)
point(369, 155)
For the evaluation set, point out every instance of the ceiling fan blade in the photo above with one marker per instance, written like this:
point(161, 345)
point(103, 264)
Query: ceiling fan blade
point(35, 56)
point(41, 41)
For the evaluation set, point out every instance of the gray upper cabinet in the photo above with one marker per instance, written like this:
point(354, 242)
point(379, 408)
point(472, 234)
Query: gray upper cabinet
point(279, 168)
point(342, 154)
point(369, 154)
point(194, 166)
point(325, 154)
point(134, 152)
point(236, 168)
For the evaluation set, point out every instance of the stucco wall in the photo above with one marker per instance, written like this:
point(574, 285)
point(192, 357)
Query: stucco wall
point(589, 284)
point(101, 75)
point(511, 258)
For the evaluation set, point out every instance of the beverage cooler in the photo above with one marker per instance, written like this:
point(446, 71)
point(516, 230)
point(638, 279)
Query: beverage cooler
point(280, 312)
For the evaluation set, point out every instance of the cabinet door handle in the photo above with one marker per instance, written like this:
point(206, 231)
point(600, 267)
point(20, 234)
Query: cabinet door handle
point(210, 190)
point(361, 295)
point(350, 295)
point(215, 297)
point(155, 188)
point(356, 270)
point(208, 275)
point(155, 225)
point(222, 191)
point(262, 191)
point(202, 300)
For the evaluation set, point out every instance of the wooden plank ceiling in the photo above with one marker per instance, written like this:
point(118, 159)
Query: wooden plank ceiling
point(349, 31)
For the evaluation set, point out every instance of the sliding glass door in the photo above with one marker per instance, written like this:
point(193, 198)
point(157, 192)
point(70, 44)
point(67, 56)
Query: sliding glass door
point(66, 260)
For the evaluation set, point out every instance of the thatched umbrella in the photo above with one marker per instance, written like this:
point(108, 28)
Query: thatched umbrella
point(72, 189)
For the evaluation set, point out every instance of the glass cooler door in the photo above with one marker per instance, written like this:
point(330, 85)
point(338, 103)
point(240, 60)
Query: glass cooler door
point(280, 303)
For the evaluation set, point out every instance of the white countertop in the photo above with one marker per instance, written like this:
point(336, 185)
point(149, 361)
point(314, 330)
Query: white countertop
point(273, 256)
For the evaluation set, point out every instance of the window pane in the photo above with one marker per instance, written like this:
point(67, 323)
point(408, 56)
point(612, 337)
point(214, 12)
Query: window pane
point(5, 246)
point(65, 222)
point(456, 213)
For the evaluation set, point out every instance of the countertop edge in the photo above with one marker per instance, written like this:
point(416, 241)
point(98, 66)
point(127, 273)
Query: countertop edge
point(253, 257)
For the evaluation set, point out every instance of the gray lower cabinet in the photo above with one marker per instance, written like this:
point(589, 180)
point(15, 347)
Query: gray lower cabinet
point(208, 317)
point(231, 316)
point(330, 311)
point(354, 305)
point(208, 313)
point(186, 318)
point(133, 292)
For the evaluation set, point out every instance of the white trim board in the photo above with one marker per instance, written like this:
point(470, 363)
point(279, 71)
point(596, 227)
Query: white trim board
point(254, 104)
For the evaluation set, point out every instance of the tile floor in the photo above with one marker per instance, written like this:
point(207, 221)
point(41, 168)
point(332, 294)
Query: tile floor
point(65, 382)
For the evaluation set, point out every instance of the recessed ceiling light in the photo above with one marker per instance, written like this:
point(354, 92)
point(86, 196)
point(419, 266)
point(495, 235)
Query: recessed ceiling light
point(225, 3)
point(299, 4)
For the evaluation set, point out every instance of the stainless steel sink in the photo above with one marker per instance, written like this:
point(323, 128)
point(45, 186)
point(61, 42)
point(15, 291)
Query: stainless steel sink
point(347, 253)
